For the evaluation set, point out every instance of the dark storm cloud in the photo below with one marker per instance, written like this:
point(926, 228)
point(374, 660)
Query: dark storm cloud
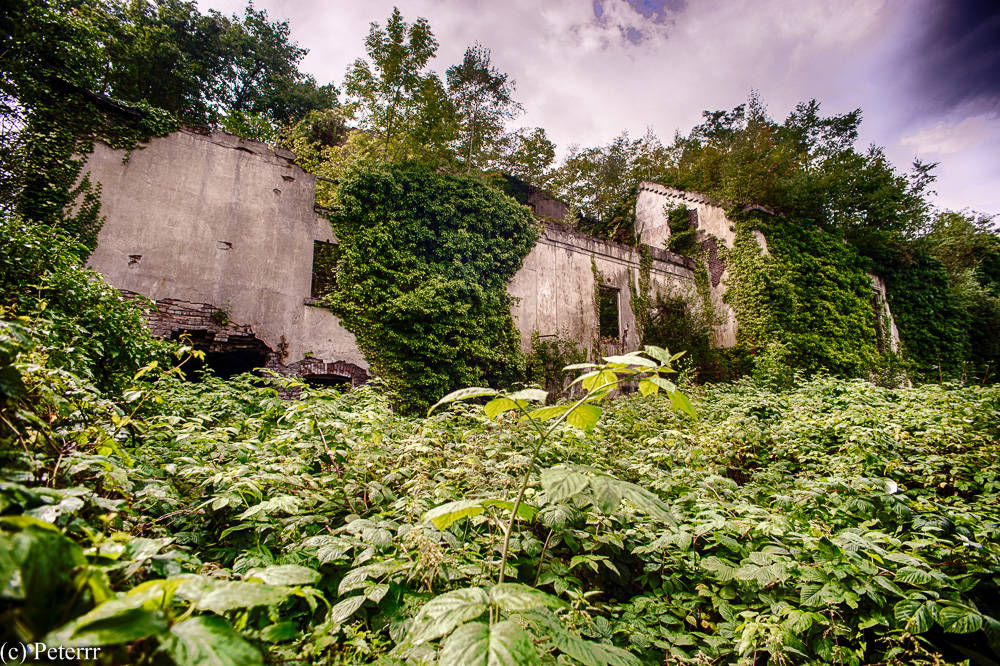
point(956, 61)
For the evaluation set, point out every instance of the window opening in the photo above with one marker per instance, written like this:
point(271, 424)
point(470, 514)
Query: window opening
point(324, 273)
point(607, 314)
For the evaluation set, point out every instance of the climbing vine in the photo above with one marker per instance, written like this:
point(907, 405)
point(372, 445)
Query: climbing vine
point(641, 297)
point(813, 295)
point(52, 149)
point(422, 276)
point(933, 327)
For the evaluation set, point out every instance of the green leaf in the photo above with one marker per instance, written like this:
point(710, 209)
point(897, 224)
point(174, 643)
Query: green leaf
point(644, 500)
point(443, 613)
point(888, 585)
point(580, 366)
point(647, 387)
point(280, 632)
point(681, 404)
point(661, 355)
point(632, 360)
point(913, 576)
point(608, 491)
point(498, 406)
point(524, 511)
point(352, 581)
point(285, 574)
point(112, 623)
point(444, 515)
point(914, 615)
point(532, 395)
point(560, 483)
point(543, 414)
point(959, 620)
point(346, 608)
point(462, 394)
point(598, 380)
point(724, 571)
point(476, 644)
point(222, 596)
point(589, 653)
point(208, 640)
point(664, 384)
point(811, 594)
point(519, 597)
point(584, 417)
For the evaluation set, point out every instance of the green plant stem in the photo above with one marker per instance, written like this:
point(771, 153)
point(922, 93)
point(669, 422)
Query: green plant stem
point(531, 465)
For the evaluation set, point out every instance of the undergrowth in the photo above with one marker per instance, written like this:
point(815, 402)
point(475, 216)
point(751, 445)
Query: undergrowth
point(832, 522)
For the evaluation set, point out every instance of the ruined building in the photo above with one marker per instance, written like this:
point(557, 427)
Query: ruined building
point(224, 237)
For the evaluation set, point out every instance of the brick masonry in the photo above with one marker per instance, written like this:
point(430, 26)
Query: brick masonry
point(169, 318)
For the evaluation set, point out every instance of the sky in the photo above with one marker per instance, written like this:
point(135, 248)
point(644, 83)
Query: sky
point(926, 73)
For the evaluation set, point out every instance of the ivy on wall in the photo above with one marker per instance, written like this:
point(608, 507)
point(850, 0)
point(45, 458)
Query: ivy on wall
point(422, 276)
point(52, 149)
point(813, 295)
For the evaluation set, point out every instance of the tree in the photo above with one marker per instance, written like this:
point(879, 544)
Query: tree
point(393, 97)
point(259, 74)
point(483, 100)
point(602, 182)
point(166, 54)
point(527, 155)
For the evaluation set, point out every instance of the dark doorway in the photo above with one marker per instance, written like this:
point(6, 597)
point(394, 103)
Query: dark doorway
point(227, 359)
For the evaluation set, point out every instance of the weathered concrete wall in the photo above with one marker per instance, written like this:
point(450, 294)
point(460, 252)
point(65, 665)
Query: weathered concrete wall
point(709, 216)
point(883, 313)
point(555, 288)
point(212, 220)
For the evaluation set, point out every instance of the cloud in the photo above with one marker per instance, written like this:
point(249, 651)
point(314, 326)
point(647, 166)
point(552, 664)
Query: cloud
point(954, 59)
point(588, 69)
point(944, 139)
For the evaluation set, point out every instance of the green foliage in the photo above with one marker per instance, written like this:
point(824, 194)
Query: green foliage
point(547, 359)
point(683, 238)
point(527, 155)
point(483, 98)
point(813, 294)
point(833, 521)
point(406, 107)
point(76, 321)
point(933, 327)
point(806, 168)
point(422, 275)
point(602, 184)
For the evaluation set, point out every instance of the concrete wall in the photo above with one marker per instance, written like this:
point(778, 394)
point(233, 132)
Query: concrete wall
point(709, 216)
point(555, 288)
point(212, 220)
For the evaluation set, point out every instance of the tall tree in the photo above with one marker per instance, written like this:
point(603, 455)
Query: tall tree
point(167, 54)
point(483, 97)
point(259, 70)
point(527, 154)
point(393, 96)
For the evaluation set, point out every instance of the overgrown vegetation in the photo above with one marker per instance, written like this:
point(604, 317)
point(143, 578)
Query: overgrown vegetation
point(781, 519)
point(834, 522)
point(423, 267)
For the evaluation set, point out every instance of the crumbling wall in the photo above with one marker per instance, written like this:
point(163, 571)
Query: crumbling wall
point(555, 289)
point(203, 223)
point(708, 216)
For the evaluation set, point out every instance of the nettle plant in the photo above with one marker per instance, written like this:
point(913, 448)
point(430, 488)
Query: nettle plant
point(516, 623)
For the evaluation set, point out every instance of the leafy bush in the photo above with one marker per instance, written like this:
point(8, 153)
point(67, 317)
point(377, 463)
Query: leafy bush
point(80, 323)
point(833, 522)
point(422, 278)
